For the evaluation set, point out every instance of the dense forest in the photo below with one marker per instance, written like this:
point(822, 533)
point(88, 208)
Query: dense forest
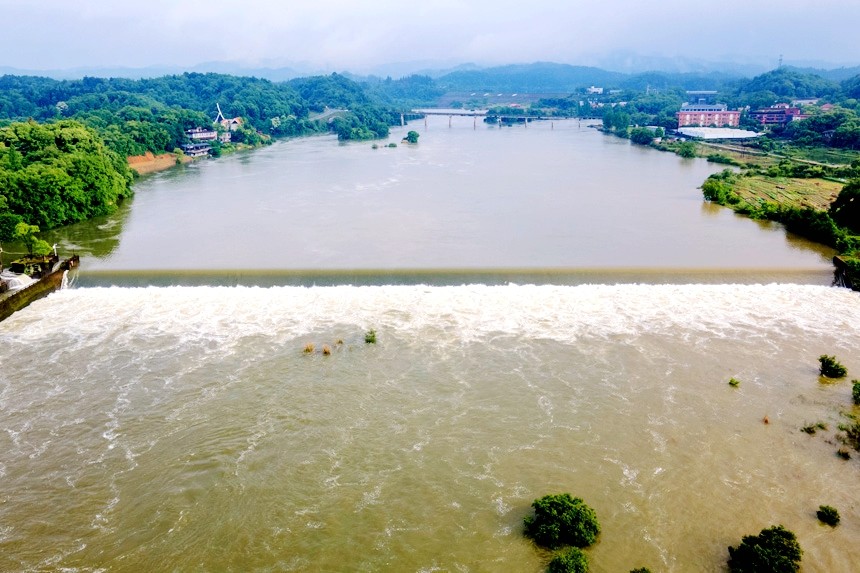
point(135, 116)
point(54, 174)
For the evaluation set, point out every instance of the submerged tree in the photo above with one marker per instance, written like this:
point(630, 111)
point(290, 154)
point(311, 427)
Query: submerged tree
point(830, 367)
point(774, 550)
point(561, 520)
point(571, 561)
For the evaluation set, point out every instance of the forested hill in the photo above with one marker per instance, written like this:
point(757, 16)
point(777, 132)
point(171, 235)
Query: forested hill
point(135, 116)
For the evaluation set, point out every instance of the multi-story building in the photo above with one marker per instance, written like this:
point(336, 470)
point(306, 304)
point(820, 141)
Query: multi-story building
point(703, 115)
point(779, 114)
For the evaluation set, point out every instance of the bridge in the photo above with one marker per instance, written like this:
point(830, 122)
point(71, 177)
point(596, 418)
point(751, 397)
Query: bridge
point(474, 113)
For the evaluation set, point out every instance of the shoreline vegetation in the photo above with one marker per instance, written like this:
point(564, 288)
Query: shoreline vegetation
point(815, 200)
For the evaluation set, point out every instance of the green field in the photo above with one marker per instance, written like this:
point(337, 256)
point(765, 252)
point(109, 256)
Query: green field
point(815, 193)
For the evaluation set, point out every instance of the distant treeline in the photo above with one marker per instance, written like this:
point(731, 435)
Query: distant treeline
point(135, 116)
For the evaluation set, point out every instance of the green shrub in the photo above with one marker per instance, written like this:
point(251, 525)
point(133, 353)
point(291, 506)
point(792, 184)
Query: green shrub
point(852, 431)
point(640, 570)
point(561, 520)
point(774, 550)
point(687, 150)
point(370, 336)
point(827, 514)
point(734, 382)
point(830, 367)
point(571, 561)
point(720, 158)
point(855, 391)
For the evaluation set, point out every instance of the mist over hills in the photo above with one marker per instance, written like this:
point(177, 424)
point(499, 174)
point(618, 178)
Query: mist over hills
point(463, 79)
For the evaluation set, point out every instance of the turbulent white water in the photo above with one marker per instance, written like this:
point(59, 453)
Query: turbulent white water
point(185, 428)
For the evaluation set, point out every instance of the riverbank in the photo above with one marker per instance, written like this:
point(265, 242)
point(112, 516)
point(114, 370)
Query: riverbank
point(802, 205)
point(796, 192)
point(151, 163)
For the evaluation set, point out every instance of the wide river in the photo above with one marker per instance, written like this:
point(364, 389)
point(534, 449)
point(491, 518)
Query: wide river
point(555, 310)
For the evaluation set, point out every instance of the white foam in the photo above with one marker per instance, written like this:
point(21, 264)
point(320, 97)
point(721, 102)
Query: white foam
point(224, 315)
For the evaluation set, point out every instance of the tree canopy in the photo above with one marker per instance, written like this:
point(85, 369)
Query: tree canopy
point(774, 550)
point(561, 520)
point(56, 174)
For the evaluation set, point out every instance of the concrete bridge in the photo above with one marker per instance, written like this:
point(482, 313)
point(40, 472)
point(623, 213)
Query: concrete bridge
point(473, 113)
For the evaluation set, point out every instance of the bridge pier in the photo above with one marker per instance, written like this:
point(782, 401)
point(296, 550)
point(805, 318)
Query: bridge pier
point(402, 120)
point(449, 120)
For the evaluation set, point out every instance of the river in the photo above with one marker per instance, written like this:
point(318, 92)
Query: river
point(555, 310)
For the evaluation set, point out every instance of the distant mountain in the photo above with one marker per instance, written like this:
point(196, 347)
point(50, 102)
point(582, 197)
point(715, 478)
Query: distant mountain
point(635, 63)
point(834, 75)
point(540, 77)
point(276, 74)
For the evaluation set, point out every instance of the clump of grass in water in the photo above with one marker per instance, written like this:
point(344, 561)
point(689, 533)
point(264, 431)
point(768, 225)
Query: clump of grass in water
point(326, 350)
point(855, 391)
point(827, 514)
point(843, 453)
point(309, 348)
point(734, 382)
point(370, 336)
point(811, 428)
point(830, 367)
point(852, 431)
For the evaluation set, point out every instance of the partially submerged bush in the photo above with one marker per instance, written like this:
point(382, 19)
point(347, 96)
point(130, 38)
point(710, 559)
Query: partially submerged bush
point(640, 570)
point(852, 430)
point(370, 336)
point(571, 561)
point(812, 428)
point(774, 550)
point(855, 391)
point(827, 514)
point(734, 382)
point(561, 520)
point(830, 367)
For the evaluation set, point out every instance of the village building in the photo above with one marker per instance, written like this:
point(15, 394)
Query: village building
point(201, 134)
point(779, 114)
point(196, 149)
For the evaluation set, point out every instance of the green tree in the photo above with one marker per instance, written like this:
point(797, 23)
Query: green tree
point(27, 235)
point(845, 210)
point(561, 520)
point(641, 135)
point(64, 173)
point(687, 149)
point(571, 561)
point(412, 137)
point(774, 550)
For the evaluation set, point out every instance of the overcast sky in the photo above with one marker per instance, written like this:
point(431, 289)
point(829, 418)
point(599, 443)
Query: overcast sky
point(356, 35)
